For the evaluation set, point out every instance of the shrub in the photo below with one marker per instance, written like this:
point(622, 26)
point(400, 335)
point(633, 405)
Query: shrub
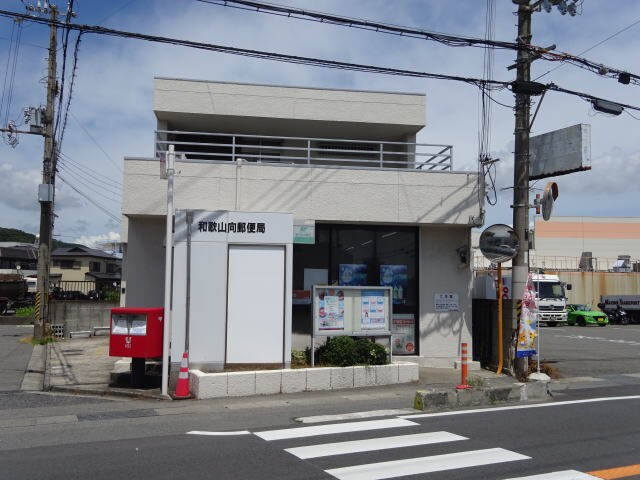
point(371, 353)
point(298, 359)
point(25, 311)
point(347, 351)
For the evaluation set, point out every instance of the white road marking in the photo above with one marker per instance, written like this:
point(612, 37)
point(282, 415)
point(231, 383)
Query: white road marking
point(219, 434)
point(416, 466)
point(520, 407)
point(384, 443)
point(563, 475)
point(301, 432)
point(355, 415)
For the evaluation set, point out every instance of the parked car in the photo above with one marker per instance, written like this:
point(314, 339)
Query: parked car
point(582, 315)
point(71, 295)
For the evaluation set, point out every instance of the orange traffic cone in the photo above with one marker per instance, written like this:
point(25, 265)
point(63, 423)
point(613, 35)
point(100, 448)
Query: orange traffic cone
point(182, 387)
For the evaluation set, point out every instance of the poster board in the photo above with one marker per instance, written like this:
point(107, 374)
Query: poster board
point(352, 310)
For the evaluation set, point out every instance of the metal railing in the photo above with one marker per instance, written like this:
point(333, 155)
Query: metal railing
point(568, 263)
point(85, 290)
point(305, 152)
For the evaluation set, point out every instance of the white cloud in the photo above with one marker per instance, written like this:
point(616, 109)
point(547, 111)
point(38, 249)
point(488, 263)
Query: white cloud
point(114, 86)
point(99, 241)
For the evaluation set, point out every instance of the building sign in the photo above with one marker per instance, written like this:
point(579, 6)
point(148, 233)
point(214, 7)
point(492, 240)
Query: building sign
point(446, 302)
point(304, 232)
point(234, 227)
point(240, 227)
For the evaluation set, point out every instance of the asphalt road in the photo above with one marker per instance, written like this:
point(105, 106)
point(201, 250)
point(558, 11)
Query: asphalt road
point(501, 443)
point(591, 351)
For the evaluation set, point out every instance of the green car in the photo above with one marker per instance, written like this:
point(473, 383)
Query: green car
point(582, 315)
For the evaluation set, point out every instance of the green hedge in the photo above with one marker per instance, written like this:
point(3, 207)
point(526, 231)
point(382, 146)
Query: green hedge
point(348, 351)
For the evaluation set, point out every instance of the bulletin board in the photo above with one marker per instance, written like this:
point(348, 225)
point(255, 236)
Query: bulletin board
point(351, 310)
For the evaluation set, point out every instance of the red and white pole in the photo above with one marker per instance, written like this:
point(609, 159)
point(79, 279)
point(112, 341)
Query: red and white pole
point(464, 370)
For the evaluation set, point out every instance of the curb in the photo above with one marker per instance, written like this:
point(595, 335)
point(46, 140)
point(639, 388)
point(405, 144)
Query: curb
point(108, 391)
point(434, 399)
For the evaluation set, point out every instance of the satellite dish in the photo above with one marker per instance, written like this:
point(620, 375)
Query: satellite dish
point(548, 197)
point(499, 243)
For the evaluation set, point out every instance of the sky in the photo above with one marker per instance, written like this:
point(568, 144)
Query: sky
point(110, 115)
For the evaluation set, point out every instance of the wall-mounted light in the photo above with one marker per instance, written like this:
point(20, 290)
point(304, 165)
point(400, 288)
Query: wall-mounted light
point(463, 255)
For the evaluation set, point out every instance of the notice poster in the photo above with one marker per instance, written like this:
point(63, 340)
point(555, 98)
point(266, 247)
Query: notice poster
point(352, 274)
point(395, 276)
point(446, 302)
point(403, 330)
point(330, 309)
point(528, 324)
point(372, 313)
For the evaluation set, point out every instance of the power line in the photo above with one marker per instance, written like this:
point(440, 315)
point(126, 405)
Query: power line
point(320, 17)
point(77, 175)
point(96, 142)
point(446, 39)
point(594, 46)
point(299, 60)
point(87, 178)
point(94, 173)
point(92, 201)
point(294, 59)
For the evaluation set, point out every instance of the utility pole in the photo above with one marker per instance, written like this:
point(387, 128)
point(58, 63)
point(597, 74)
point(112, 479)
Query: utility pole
point(46, 189)
point(521, 167)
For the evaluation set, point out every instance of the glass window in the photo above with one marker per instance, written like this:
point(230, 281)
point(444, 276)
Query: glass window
point(359, 255)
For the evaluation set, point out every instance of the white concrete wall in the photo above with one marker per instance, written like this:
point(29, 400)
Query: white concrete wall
point(143, 262)
point(322, 194)
point(442, 333)
point(174, 96)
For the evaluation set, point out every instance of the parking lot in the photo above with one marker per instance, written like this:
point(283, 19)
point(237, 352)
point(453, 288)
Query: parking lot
point(591, 351)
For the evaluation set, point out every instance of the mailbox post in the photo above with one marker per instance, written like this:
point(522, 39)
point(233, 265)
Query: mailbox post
point(136, 333)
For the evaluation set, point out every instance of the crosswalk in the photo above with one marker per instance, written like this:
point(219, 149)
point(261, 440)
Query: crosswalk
point(331, 451)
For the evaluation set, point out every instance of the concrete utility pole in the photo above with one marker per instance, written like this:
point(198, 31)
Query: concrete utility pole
point(521, 167)
point(46, 189)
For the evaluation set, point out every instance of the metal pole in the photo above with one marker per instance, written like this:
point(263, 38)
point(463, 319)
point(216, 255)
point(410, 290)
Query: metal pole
point(521, 168)
point(45, 191)
point(538, 321)
point(500, 323)
point(168, 272)
point(188, 293)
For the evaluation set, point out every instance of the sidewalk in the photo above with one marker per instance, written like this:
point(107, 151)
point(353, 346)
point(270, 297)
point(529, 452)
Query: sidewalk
point(83, 365)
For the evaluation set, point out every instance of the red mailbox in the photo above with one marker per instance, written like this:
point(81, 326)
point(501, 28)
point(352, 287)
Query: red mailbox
point(136, 332)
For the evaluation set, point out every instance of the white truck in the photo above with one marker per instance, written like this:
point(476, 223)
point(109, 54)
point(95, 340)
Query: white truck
point(552, 298)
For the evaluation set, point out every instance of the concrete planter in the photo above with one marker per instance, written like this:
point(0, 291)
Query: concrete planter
point(218, 385)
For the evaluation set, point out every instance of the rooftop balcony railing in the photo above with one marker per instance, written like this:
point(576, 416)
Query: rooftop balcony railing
point(306, 152)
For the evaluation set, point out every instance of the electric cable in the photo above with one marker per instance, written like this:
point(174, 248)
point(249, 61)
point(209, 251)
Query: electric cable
point(82, 178)
point(446, 39)
point(91, 137)
point(103, 209)
point(89, 171)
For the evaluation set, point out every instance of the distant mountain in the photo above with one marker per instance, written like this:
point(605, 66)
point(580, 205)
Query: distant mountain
point(15, 235)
